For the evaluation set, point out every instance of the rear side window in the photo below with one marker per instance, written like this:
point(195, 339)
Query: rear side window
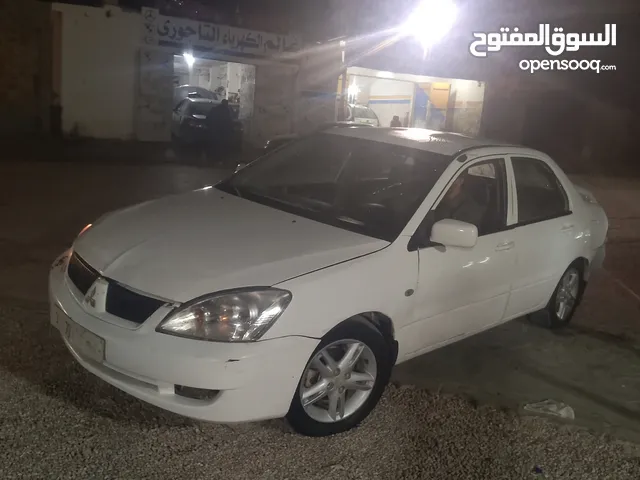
point(540, 193)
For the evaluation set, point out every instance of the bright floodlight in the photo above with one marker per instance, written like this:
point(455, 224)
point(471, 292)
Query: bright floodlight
point(431, 21)
point(189, 59)
point(353, 89)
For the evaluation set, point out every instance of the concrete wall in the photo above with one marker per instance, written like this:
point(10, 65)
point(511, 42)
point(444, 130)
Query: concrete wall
point(99, 70)
point(246, 91)
point(464, 113)
point(315, 92)
point(234, 77)
point(112, 87)
point(25, 66)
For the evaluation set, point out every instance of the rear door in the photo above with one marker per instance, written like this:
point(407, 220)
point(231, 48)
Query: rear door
point(545, 232)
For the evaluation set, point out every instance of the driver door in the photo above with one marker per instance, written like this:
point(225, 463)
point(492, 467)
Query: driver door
point(462, 291)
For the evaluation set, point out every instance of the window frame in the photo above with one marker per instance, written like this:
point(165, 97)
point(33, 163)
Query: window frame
point(503, 165)
point(559, 182)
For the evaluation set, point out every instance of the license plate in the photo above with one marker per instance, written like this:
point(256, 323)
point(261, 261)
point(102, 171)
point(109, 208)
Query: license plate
point(84, 342)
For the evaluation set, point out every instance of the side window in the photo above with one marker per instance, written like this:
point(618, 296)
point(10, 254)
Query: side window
point(540, 193)
point(477, 196)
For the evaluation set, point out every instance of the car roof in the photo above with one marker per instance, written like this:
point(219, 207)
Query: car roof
point(445, 143)
point(345, 124)
point(201, 100)
point(195, 87)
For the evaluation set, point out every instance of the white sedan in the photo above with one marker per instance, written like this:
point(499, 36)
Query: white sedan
point(293, 287)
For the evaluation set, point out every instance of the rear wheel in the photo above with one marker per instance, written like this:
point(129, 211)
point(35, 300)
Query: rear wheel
point(566, 297)
point(343, 380)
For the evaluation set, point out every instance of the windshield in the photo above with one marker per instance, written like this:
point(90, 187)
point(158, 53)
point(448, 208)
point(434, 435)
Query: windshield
point(368, 187)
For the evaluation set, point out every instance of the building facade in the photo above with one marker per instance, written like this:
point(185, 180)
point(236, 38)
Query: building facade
point(25, 80)
point(118, 70)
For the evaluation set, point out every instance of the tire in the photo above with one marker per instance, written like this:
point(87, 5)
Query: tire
point(315, 418)
point(568, 292)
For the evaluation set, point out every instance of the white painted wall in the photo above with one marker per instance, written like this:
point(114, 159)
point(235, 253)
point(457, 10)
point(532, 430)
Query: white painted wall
point(234, 77)
point(218, 76)
point(409, 77)
point(391, 97)
point(99, 54)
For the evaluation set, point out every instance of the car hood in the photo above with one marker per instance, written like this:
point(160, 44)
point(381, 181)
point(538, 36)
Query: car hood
point(183, 246)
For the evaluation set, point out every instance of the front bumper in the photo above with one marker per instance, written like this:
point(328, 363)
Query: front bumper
point(255, 381)
point(598, 258)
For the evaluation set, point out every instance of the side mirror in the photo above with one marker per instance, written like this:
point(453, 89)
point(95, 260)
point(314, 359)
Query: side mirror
point(454, 233)
point(240, 166)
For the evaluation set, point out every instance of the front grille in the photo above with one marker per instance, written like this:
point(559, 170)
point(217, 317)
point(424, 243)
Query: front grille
point(81, 274)
point(120, 301)
point(129, 305)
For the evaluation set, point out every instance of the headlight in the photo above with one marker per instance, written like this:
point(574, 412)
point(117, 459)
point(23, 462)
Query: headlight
point(242, 315)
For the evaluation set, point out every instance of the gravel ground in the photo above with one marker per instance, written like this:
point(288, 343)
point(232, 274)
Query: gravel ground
point(58, 421)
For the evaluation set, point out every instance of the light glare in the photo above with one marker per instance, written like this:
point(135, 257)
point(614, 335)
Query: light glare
point(431, 21)
point(353, 89)
point(189, 58)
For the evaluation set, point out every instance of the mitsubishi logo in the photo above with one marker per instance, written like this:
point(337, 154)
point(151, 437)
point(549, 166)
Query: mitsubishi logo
point(91, 297)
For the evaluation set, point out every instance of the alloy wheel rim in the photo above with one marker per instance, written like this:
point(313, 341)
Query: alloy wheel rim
point(338, 381)
point(567, 294)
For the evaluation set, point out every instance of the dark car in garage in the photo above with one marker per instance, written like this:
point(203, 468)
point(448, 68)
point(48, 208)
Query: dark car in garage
point(189, 124)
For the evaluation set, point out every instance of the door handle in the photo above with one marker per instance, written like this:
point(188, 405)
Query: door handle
point(505, 246)
point(567, 227)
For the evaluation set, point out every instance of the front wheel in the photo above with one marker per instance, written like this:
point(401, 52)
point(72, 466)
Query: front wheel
point(343, 381)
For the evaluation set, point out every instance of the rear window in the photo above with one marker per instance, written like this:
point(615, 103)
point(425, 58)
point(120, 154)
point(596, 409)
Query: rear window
point(200, 108)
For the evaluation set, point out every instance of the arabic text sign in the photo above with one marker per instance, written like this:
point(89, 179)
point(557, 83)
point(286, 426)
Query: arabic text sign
point(555, 40)
point(191, 33)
